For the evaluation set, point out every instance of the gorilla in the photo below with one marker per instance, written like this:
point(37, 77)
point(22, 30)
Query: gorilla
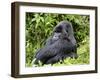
point(60, 45)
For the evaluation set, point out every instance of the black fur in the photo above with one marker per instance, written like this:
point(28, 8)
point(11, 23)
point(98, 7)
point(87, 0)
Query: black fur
point(60, 45)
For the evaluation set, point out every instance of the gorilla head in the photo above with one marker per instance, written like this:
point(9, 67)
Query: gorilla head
point(65, 28)
point(60, 45)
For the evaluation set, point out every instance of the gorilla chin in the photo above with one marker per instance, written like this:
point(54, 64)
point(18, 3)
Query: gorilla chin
point(61, 45)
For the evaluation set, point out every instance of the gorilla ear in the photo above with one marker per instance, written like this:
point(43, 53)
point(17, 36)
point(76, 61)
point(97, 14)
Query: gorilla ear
point(70, 28)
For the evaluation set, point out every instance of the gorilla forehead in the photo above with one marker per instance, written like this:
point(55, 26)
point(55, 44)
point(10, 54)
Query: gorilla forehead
point(62, 25)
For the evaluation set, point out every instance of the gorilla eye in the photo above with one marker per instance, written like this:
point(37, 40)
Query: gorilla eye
point(58, 29)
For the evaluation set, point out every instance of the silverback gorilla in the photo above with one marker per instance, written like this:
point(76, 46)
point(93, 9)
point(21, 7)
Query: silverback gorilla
point(60, 45)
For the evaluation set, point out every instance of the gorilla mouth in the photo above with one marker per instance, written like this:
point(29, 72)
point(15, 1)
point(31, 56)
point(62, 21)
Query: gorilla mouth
point(66, 38)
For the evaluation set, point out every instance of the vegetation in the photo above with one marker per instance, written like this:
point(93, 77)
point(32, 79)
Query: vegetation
point(39, 27)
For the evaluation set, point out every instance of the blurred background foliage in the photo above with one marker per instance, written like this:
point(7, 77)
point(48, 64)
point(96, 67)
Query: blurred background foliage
point(39, 27)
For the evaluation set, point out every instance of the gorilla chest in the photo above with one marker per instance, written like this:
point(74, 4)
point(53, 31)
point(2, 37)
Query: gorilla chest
point(63, 45)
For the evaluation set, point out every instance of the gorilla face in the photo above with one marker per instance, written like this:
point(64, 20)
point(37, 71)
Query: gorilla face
point(63, 29)
point(66, 30)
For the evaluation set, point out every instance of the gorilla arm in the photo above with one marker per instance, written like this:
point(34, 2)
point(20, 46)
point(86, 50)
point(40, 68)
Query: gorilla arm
point(44, 54)
point(53, 39)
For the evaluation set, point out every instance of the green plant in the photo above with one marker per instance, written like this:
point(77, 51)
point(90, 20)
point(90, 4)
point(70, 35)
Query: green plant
point(39, 27)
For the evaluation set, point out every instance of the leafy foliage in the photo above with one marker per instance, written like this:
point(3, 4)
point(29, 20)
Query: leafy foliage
point(39, 27)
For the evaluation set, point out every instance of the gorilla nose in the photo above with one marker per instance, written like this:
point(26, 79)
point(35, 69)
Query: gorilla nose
point(65, 34)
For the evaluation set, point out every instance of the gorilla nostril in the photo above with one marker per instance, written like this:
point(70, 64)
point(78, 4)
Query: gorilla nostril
point(65, 34)
point(67, 31)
